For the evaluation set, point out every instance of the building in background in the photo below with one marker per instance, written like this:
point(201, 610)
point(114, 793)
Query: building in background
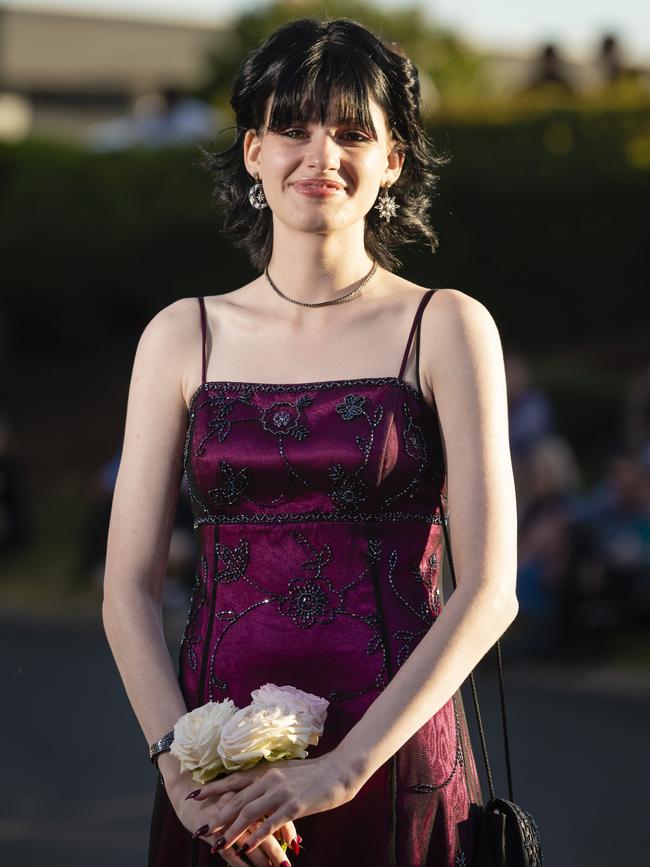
point(63, 72)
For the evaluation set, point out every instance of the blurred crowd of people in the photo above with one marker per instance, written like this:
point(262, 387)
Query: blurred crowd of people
point(550, 69)
point(584, 551)
point(164, 118)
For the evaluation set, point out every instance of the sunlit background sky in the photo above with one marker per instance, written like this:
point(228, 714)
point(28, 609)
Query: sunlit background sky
point(523, 24)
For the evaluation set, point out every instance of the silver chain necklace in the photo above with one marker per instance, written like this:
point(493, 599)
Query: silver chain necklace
point(322, 303)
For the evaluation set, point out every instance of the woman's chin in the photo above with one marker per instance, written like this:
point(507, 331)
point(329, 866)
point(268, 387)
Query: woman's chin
point(316, 221)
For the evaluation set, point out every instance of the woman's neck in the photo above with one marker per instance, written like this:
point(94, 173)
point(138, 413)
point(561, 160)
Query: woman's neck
point(314, 267)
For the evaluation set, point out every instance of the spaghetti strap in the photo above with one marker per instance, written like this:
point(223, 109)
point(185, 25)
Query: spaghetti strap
point(416, 324)
point(203, 330)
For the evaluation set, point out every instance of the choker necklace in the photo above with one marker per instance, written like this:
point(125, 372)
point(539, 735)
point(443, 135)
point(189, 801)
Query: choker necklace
point(322, 303)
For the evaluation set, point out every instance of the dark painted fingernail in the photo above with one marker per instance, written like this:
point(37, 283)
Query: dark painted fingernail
point(299, 838)
point(192, 794)
point(244, 848)
point(221, 842)
point(285, 864)
point(201, 831)
point(295, 847)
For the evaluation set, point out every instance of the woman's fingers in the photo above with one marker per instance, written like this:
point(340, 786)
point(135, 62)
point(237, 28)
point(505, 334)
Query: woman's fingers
point(271, 845)
point(237, 780)
point(271, 853)
point(232, 782)
point(288, 833)
point(258, 858)
point(273, 850)
point(227, 808)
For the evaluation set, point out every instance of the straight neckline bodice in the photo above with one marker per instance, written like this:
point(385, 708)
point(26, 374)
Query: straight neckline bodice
point(239, 385)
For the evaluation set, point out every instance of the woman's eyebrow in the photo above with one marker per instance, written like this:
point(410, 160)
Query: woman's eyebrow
point(329, 124)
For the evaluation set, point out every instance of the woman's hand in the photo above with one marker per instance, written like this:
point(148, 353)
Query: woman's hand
point(194, 813)
point(274, 794)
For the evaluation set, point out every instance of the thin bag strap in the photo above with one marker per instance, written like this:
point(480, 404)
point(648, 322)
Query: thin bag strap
point(203, 331)
point(414, 325)
point(445, 519)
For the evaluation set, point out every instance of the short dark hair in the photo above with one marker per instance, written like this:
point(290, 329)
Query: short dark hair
point(315, 69)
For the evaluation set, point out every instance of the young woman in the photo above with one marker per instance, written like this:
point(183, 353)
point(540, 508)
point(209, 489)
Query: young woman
point(327, 416)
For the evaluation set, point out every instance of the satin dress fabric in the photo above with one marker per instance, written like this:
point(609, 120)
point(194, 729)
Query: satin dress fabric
point(318, 513)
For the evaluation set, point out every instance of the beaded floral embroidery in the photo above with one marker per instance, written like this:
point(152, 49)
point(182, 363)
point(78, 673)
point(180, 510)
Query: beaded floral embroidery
point(197, 601)
point(311, 599)
point(349, 490)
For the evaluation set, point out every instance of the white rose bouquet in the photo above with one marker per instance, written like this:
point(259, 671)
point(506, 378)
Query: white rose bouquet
point(279, 723)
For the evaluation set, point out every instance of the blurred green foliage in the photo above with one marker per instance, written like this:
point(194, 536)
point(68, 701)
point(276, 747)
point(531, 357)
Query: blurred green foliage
point(551, 237)
point(439, 53)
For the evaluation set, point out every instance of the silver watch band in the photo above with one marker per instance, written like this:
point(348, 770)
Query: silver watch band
point(160, 746)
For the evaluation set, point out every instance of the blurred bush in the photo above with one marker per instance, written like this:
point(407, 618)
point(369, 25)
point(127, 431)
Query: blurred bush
point(542, 216)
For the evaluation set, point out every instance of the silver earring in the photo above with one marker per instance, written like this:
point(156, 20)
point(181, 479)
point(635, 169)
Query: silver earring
point(386, 205)
point(256, 194)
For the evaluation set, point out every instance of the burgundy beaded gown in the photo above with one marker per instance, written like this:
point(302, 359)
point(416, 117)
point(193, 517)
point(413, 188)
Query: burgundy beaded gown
point(318, 516)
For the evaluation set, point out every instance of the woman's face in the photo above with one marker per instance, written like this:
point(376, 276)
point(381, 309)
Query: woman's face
point(296, 163)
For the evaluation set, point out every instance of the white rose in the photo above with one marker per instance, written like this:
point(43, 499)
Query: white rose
point(263, 732)
point(310, 709)
point(196, 738)
point(294, 700)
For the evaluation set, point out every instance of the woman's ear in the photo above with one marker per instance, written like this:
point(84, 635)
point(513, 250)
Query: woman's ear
point(396, 159)
point(252, 146)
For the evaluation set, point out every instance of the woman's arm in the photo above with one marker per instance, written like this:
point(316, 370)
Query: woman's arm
point(463, 359)
point(141, 523)
point(142, 518)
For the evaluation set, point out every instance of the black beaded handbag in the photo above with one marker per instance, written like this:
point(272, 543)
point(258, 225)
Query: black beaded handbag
point(508, 835)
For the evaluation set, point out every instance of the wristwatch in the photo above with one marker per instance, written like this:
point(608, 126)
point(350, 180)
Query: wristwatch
point(161, 746)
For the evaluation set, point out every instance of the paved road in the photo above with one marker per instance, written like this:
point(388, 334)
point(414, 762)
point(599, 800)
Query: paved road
point(78, 786)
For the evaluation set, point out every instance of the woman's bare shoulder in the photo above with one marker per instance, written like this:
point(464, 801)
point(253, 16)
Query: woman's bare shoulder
point(170, 343)
point(457, 329)
point(459, 309)
point(180, 321)
point(173, 336)
point(452, 314)
point(444, 299)
point(449, 317)
point(173, 326)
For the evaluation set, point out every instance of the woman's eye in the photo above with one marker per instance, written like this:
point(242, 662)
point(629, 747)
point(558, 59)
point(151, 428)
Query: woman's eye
point(359, 135)
point(295, 132)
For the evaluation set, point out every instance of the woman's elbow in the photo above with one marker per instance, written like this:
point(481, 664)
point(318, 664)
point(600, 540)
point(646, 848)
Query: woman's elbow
point(509, 608)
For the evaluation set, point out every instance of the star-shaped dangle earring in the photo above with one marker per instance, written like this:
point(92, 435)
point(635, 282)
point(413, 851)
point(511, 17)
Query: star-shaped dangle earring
point(386, 205)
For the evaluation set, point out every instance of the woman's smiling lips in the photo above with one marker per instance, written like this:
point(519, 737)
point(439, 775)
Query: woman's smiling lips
point(318, 187)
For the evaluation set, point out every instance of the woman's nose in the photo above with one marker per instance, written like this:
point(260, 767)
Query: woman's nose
point(323, 151)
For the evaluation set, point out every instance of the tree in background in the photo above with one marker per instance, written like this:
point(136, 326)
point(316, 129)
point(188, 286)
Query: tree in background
point(449, 69)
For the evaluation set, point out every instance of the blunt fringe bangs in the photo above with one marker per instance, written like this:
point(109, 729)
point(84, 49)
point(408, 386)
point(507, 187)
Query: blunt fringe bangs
point(313, 70)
